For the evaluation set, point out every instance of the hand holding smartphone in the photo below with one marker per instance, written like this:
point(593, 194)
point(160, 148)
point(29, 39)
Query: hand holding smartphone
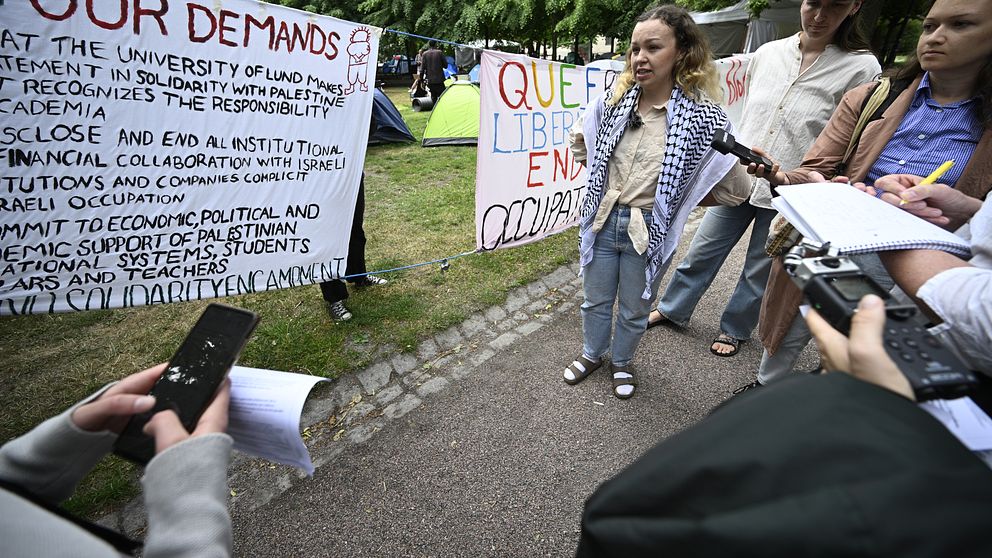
point(192, 376)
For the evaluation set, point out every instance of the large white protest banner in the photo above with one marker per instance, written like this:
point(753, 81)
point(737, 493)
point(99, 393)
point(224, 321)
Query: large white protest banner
point(156, 152)
point(528, 184)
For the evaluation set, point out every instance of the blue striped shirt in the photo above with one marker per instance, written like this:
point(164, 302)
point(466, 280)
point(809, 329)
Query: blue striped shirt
point(929, 134)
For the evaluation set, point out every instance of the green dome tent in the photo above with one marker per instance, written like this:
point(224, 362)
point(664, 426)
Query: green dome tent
point(455, 118)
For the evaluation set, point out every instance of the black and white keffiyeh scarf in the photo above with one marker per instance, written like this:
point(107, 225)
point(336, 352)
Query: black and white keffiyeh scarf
point(691, 125)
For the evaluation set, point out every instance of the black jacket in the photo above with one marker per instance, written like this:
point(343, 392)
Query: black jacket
point(811, 466)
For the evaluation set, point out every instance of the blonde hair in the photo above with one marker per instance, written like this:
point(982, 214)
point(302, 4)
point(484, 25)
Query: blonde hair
point(694, 70)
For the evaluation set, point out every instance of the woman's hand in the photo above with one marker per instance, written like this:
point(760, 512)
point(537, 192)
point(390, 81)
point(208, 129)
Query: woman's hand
point(937, 203)
point(890, 189)
point(773, 175)
point(168, 431)
point(114, 407)
point(862, 355)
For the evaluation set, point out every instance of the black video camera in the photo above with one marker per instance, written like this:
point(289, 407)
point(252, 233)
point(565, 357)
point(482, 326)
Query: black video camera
point(833, 285)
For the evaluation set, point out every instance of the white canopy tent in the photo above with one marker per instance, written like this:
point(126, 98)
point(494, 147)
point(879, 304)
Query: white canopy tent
point(731, 30)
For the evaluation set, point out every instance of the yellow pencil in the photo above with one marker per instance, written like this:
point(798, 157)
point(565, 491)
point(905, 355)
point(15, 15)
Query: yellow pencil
point(934, 176)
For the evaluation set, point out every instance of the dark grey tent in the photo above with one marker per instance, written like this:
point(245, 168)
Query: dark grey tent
point(390, 127)
point(732, 30)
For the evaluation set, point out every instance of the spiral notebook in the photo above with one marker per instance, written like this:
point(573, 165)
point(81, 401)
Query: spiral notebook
point(855, 222)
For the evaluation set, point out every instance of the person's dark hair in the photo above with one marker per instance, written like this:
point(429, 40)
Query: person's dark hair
point(912, 68)
point(694, 71)
point(431, 45)
point(850, 36)
point(985, 95)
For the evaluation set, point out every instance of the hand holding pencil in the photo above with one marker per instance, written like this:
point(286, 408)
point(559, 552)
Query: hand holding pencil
point(932, 177)
point(937, 203)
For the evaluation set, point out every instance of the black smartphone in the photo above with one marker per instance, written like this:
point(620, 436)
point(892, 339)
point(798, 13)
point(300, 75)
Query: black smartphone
point(192, 376)
point(725, 143)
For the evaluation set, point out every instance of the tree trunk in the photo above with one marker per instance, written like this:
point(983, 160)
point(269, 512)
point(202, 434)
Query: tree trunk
point(870, 13)
point(894, 49)
point(883, 46)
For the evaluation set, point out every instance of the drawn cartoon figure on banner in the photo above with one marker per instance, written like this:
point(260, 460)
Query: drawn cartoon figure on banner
point(358, 60)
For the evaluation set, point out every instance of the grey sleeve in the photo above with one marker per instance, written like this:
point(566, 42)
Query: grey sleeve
point(51, 459)
point(186, 495)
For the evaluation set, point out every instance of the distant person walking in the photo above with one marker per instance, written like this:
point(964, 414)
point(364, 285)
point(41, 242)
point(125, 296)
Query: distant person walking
point(417, 88)
point(432, 70)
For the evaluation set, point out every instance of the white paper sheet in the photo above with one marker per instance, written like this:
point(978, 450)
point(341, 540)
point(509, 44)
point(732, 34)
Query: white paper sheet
point(265, 414)
point(964, 419)
point(854, 222)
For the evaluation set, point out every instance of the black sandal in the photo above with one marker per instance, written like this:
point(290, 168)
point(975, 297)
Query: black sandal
point(581, 368)
point(663, 320)
point(724, 339)
point(628, 381)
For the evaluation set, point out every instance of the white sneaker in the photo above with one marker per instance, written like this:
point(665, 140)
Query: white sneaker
point(370, 281)
point(338, 312)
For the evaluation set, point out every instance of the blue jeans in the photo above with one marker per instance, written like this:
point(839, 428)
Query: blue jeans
point(615, 275)
point(721, 229)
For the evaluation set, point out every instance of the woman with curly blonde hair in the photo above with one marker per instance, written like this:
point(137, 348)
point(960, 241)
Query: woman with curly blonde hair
point(646, 145)
point(694, 71)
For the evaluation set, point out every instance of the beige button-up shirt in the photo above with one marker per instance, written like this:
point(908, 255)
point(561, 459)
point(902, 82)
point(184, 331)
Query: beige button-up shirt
point(785, 110)
point(633, 169)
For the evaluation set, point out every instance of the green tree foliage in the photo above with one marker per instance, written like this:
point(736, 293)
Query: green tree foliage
point(611, 18)
point(338, 9)
point(898, 28)
point(754, 7)
point(551, 23)
point(395, 14)
point(499, 19)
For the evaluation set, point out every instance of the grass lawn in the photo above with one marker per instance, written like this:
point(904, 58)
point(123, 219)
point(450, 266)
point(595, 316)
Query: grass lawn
point(420, 206)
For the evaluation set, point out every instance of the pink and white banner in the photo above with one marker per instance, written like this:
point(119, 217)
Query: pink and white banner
point(528, 184)
point(167, 151)
point(732, 71)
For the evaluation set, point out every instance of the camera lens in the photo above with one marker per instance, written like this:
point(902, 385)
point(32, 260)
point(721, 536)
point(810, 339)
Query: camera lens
point(832, 263)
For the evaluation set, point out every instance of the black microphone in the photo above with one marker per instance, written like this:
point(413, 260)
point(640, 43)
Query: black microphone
point(635, 120)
